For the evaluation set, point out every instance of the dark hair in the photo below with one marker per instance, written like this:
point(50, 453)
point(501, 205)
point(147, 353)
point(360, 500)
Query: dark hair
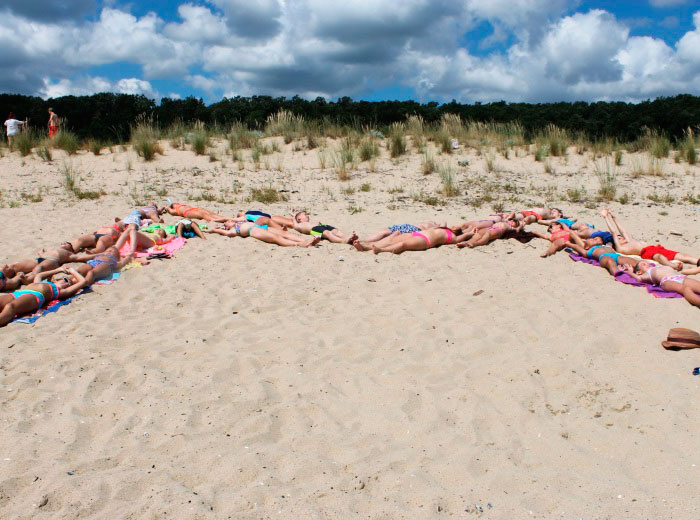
point(11, 116)
point(636, 268)
point(560, 211)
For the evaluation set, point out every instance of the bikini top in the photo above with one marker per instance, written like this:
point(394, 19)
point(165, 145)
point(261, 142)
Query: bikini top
point(55, 291)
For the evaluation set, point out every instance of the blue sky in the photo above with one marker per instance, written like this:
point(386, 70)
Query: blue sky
point(469, 50)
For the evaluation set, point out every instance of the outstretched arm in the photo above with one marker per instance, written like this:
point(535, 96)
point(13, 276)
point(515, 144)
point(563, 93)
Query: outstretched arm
point(124, 261)
point(48, 274)
point(578, 248)
point(545, 236)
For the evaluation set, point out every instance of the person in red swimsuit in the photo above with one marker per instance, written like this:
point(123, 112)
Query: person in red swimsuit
point(627, 245)
point(53, 123)
point(190, 212)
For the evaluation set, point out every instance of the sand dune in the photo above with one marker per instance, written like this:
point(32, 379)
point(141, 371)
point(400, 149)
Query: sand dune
point(246, 381)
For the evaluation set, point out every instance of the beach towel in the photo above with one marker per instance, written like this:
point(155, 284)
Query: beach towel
point(54, 305)
point(164, 251)
point(623, 277)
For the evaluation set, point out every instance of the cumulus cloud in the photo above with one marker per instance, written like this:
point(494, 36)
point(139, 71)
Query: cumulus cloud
point(667, 3)
point(47, 10)
point(539, 50)
point(92, 85)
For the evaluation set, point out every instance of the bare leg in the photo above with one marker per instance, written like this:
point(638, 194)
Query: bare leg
point(198, 231)
point(687, 259)
point(608, 264)
point(410, 243)
point(338, 237)
point(378, 236)
point(554, 248)
point(21, 305)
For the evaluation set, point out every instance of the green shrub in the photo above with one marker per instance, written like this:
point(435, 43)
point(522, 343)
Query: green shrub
point(26, 141)
point(67, 141)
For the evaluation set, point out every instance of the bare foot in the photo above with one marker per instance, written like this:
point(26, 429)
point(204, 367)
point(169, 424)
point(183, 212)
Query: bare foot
point(462, 244)
point(352, 238)
point(375, 250)
point(315, 241)
point(359, 246)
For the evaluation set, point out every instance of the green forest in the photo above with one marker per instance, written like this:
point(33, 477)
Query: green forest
point(109, 117)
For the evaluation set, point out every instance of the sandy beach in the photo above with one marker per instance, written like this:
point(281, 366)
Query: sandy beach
point(244, 380)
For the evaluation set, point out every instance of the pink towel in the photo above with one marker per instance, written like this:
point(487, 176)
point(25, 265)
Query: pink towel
point(168, 248)
point(623, 277)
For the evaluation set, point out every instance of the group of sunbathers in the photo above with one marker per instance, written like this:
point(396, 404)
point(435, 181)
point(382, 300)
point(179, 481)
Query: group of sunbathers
point(28, 284)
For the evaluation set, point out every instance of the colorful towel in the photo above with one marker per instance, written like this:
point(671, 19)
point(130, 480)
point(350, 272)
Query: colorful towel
point(621, 276)
point(166, 249)
point(108, 281)
point(52, 306)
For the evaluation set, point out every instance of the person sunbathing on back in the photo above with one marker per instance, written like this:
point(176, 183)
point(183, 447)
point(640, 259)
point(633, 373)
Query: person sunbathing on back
point(559, 235)
point(301, 222)
point(484, 223)
point(385, 236)
point(190, 212)
point(608, 258)
point(264, 234)
point(142, 240)
point(418, 241)
point(533, 215)
point(49, 259)
point(36, 294)
point(507, 229)
point(625, 244)
point(103, 265)
point(668, 279)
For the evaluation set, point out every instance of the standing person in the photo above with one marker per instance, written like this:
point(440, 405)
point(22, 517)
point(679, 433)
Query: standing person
point(53, 123)
point(12, 127)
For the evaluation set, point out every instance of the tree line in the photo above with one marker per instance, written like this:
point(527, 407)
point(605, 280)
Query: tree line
point(109, 117)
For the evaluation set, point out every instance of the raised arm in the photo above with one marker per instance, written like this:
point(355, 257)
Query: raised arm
point(47, 274)
point(72, 290)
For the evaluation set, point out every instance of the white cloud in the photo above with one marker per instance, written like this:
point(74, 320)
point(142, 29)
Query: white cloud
point(312, 47)
point(92, 85)
point(667, 3)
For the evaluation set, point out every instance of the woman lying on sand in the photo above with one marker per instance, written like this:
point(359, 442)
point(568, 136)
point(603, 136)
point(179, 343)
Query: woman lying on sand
point(559, 235)
point(533, 215)
point(625, 244)
point(49, 259)
point(507, 229)
point(480, 224)
point(668, 279)
point(190, 212)
point(95, 242)
point(417, 241)
point(36, 294)
point(380, 237)
point(609, 259)
point(264, 234)
point(103, 265)
point(142, 240)
point(152, 212)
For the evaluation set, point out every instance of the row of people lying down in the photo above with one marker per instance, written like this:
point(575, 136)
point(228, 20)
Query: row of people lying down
point(97, 254)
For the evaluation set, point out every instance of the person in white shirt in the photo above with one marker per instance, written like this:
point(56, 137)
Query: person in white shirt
point(12, 127)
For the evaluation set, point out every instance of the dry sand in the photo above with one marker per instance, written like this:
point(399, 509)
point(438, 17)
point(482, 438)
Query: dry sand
point(243, 380)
